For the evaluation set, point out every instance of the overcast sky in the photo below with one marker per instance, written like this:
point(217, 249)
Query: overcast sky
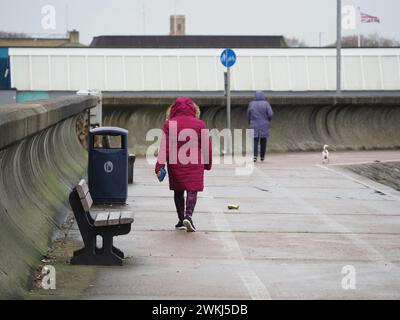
point(304, 19)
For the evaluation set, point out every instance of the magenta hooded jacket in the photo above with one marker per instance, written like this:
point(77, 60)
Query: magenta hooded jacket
point(185, 148)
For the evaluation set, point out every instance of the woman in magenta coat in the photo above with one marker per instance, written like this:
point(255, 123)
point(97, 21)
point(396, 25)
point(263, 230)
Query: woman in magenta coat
point(186, 149)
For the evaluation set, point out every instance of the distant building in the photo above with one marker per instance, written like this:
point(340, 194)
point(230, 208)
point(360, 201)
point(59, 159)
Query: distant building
point(179, 39)
point(72, 40)
point(235, 42)
point(177, 25)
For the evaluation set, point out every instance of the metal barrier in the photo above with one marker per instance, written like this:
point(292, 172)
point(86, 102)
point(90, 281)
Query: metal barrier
point(291, 69)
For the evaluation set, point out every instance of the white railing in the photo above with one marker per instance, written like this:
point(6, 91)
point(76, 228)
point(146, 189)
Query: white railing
point(200, 69)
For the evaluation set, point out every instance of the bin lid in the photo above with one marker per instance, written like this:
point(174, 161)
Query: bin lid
point(113, 131)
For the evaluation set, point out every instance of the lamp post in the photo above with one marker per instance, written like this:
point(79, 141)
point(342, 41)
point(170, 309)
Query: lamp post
point(320, 38)
point(338, 46)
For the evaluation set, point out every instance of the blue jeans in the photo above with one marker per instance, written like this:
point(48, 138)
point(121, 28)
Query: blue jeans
point(263, 149)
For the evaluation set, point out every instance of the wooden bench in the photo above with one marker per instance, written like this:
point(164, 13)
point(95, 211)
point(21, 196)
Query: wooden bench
point(104, 224)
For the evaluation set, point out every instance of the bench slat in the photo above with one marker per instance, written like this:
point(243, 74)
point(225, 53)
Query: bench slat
point(82, 188)
point(113, 218)
point(101, 219)
point(126, 218)
point(87, 202)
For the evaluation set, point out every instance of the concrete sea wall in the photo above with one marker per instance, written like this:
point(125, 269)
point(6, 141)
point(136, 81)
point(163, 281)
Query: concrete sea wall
point(41, 157)
point(303, 123)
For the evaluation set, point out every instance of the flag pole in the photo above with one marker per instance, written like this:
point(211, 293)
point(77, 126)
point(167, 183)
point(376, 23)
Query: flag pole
point(144, 17)
point(359, 26)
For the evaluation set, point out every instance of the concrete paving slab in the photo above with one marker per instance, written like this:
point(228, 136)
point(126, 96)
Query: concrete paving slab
point(171, 278)
point(258, 246)
point(323, 280)
point(273, 206)
point(300, 223)
point(289, 242)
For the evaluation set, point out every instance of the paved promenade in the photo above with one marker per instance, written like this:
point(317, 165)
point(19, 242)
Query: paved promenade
point(298, 225)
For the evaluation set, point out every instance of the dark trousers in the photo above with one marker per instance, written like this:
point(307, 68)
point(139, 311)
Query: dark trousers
point(191, 199)
point(263, 147)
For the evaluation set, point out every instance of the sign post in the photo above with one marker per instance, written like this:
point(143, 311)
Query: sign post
point(228, 59)
point(228, 98)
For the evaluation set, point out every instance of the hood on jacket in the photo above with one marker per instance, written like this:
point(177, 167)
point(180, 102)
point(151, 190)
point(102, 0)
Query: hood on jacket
point(260, 95)
point(183, 106)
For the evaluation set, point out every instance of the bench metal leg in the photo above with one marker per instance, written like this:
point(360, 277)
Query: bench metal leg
point(110, 256)
point(118, 252)
point(78, 252)
point(90, 255)
point(97, 259)
point(89, 247)
point(104, 259)
point(115, 250)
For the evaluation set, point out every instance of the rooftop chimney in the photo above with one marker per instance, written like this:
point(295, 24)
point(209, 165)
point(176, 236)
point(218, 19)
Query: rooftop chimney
point(73, 36)
point(177, 25)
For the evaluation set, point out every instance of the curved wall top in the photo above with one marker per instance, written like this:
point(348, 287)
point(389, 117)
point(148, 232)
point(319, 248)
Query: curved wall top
point(292, 69)
point(19, 121)
point(41, 158)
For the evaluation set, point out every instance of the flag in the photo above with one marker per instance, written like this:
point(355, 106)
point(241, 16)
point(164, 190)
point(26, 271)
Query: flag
point(366, 18)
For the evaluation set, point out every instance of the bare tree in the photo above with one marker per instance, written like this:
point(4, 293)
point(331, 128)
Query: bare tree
point(370, 41)
point(7, 34)
point(295, 42)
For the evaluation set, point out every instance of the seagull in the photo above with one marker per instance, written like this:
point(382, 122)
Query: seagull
point(325, 154)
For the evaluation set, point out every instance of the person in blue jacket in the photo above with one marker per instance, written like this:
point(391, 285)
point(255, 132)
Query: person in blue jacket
point(259, 115)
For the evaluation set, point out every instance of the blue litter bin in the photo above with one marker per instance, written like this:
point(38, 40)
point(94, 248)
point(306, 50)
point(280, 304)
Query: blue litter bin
point(108, 165)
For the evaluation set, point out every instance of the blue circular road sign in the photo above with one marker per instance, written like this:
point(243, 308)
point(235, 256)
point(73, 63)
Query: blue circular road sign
point(228, 58)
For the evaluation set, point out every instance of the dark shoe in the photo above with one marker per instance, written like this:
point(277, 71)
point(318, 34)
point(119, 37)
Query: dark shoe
point(180, 226)
point(255, 159)
point(262, 159)
point(188, 223)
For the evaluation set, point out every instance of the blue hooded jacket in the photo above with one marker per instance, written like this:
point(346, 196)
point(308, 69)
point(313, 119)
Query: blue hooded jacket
point(259, 115)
